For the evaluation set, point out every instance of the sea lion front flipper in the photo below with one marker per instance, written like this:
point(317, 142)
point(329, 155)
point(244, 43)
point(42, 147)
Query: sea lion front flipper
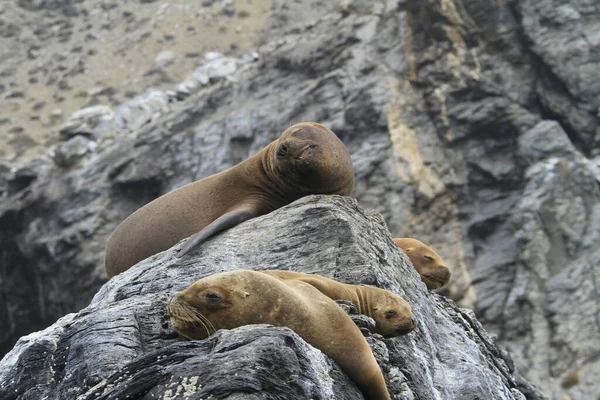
point(222, 223)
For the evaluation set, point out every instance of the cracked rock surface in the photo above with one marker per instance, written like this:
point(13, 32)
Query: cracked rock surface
point(473, 126)
point(122, 345)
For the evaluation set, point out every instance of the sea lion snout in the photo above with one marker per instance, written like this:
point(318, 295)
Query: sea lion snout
point(283, 150)
point(407, 326)
point(188, 319)
point(437, 277)
point(175, 303)
point(295, 149)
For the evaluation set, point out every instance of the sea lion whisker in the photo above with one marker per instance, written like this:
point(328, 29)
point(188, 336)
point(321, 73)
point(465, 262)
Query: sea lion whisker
point(190, 315)
point(201, 323)
point(199, 315)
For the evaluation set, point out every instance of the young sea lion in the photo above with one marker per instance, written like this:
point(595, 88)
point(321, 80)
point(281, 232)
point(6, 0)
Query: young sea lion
point(426, 261)
point(392, 314)
point(231, 299)
point(308, 158)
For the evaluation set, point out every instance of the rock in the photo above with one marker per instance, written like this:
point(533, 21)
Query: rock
point(142, 109)
point(21, 178)
point(559, 255)
point(214, 68)
point(164, 59)
point(227, 8)
point(458, 118)
point(84, 121)
point(546, 139)
point(565, 38)
point(4, 177)
point(122, 344)
point(20, 141)
point(69, 152)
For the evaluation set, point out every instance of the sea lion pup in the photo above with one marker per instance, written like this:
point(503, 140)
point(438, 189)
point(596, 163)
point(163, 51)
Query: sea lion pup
point(426, 261)
point(392, 314)
point(308, 158)
point(231, 299)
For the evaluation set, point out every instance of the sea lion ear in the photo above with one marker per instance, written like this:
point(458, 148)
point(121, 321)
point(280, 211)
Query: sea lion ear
point(222, 223)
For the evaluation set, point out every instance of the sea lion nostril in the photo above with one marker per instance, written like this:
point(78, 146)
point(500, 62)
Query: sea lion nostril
point(283, 150)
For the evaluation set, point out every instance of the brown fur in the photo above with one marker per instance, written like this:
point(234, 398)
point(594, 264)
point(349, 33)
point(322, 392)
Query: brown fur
point(392, 314)
point(232, 299)
point(306, 159)
point(426, 261)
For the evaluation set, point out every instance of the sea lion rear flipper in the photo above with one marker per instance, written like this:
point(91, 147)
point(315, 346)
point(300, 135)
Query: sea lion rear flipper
point(222, 223)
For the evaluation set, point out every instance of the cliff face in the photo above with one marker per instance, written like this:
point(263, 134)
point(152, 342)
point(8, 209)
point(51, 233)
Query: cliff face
point(123, 345)
point(472, 125)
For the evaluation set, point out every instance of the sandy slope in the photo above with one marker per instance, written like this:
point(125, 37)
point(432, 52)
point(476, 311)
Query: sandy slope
point(56, 58)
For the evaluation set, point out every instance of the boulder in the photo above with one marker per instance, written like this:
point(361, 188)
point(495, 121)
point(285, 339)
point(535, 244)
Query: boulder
point(123, 346)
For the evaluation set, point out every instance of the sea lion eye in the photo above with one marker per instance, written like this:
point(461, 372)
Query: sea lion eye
point(212, 296)
point(428, 258)
point(390, 314)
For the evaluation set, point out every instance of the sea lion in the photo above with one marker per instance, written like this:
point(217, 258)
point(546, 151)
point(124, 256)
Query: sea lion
point(426, 261)
point(392, 314)
point(307, 158)
point(231, 299)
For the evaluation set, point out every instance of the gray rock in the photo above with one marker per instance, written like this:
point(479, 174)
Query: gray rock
point(214, 68)
point(455, 115)
point(73, 150)
point(566, 38)
point(164, 59)
point(84, 121)
point(546, 139)
point(122, 344)
point(5, 173)
point(141, 110)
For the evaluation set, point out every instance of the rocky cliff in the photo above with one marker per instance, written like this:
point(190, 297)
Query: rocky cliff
point(473, 126)
point(122, 345)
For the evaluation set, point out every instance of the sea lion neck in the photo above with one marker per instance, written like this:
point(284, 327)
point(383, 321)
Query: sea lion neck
point(364, 303)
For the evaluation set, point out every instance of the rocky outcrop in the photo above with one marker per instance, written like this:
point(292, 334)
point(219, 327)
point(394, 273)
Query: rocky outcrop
point(122, 345)
point(472, 125)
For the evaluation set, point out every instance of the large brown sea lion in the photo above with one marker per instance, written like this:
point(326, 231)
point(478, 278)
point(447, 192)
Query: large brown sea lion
point(392, 314)
point(308, 158)
point(426, 261)
point(232, 299)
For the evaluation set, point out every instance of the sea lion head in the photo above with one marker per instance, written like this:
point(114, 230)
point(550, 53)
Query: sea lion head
point(426, 261)
point(311, 157)
point(207, 305)
point(393, 315)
